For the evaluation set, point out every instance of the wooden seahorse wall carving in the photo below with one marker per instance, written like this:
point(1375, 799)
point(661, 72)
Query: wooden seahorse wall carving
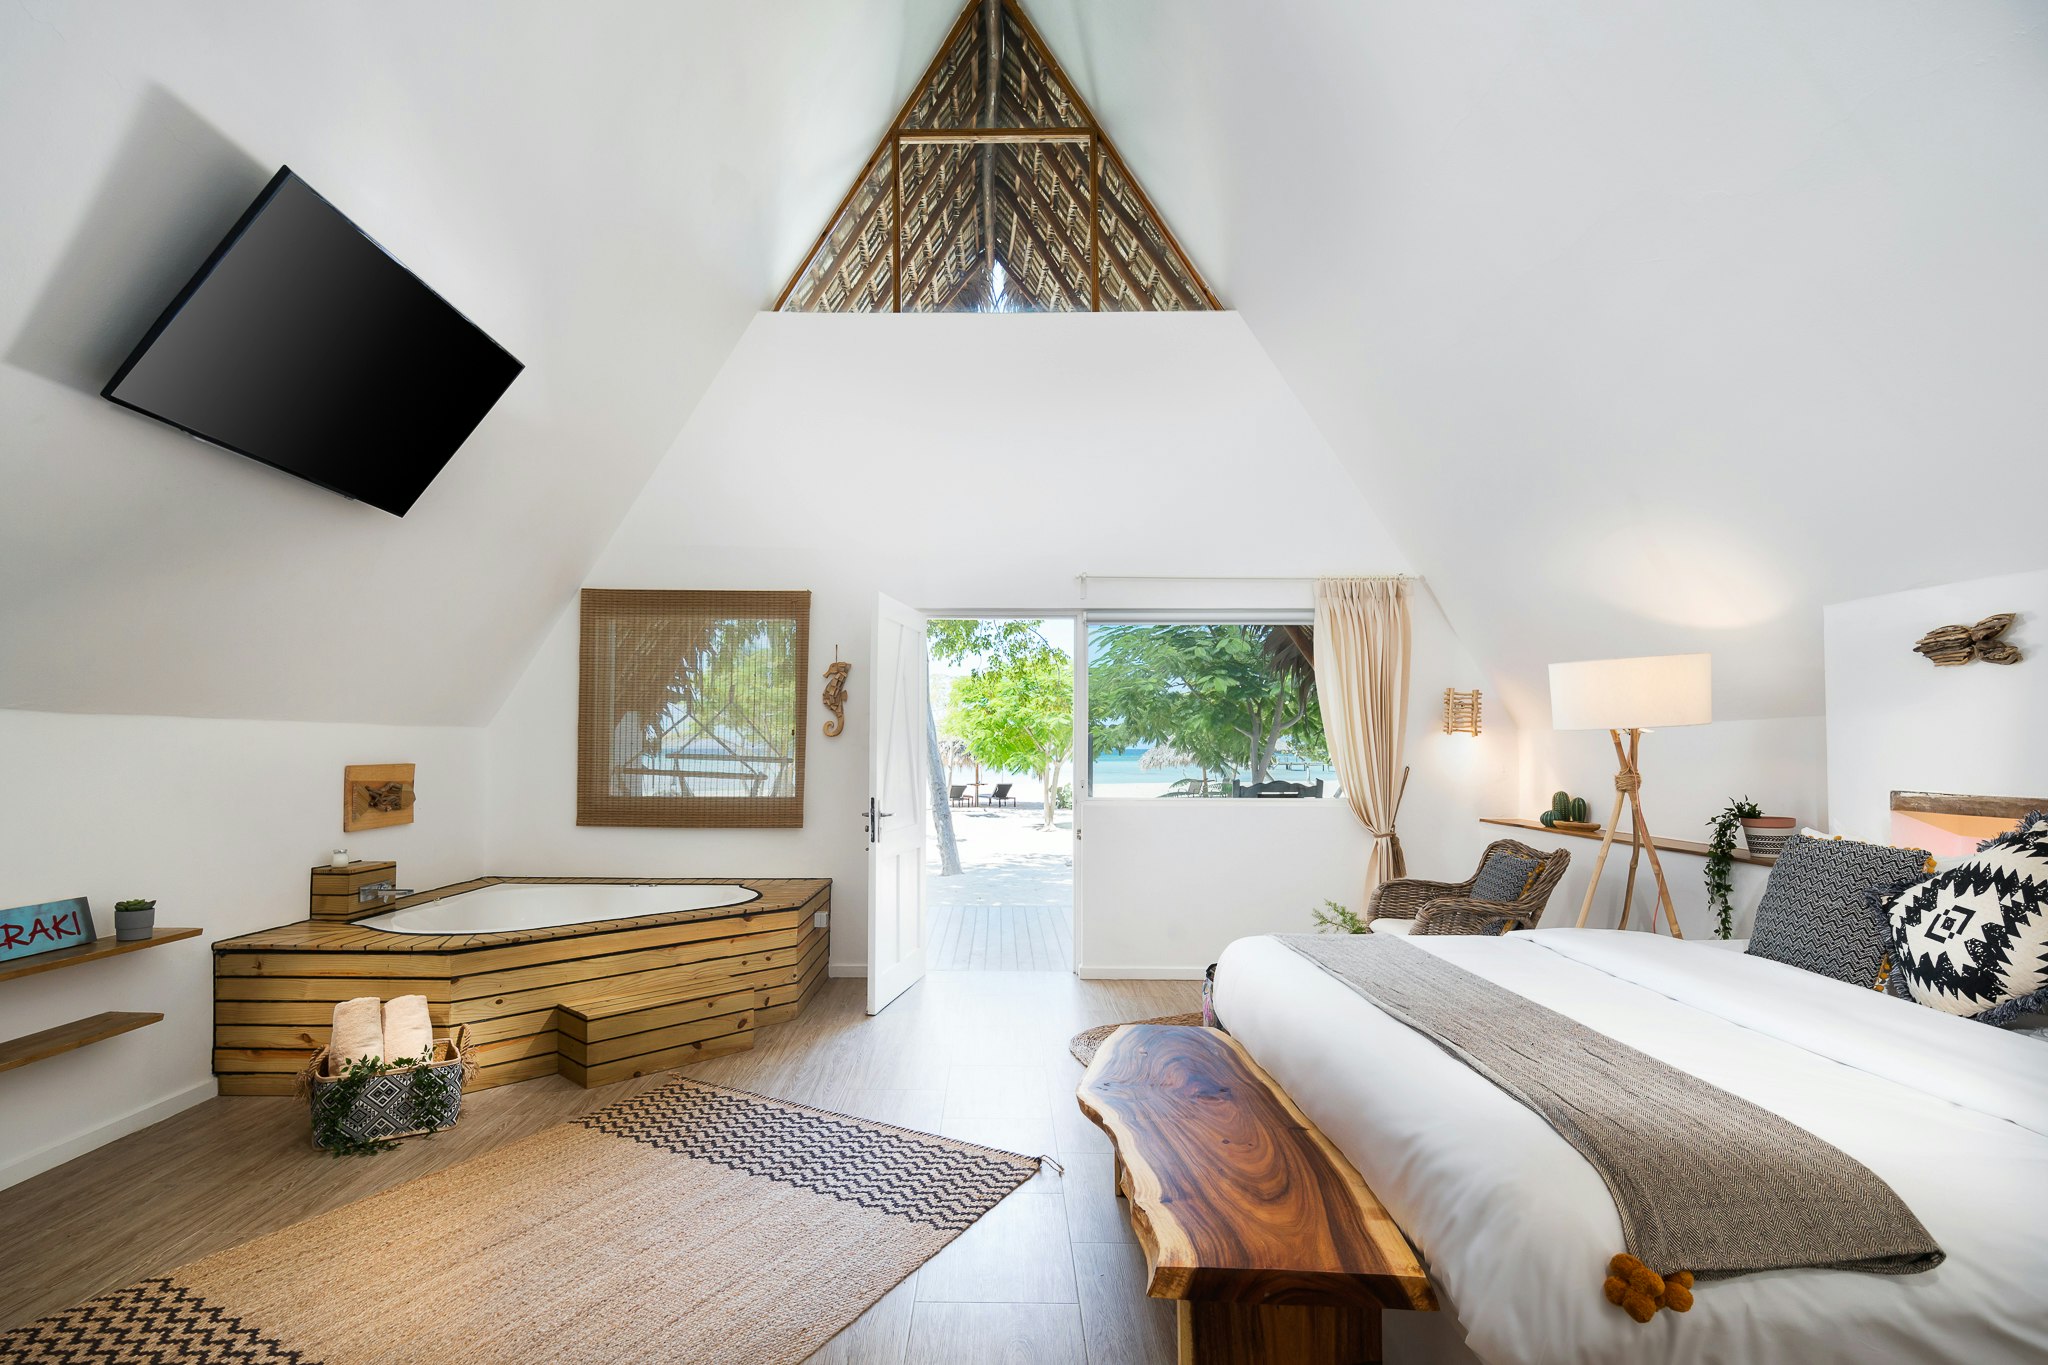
point(835, 697)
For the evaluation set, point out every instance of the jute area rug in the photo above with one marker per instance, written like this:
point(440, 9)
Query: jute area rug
point(1082, 1045)
point(687, 1224)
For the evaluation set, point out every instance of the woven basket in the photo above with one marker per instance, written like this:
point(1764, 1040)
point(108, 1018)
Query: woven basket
point(387, 1106)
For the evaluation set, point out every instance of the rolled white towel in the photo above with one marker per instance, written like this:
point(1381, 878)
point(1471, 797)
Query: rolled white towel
point(408, 1033)
point(358, 1032)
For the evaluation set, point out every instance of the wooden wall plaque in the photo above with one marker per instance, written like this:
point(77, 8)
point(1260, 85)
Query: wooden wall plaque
point(376, 795)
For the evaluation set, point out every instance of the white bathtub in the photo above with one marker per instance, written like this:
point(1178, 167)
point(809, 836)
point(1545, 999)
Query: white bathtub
point(525, 905)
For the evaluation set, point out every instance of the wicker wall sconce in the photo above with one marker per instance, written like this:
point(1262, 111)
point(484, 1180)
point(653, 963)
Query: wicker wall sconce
point(1461, 712)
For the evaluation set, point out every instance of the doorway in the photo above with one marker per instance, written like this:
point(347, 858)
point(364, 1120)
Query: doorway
point(999, 872)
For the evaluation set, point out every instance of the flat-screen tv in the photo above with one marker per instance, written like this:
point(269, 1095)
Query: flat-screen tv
point(305, 345)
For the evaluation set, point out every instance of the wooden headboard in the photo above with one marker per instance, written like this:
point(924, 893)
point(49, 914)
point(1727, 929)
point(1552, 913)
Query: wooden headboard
point(1950, 826)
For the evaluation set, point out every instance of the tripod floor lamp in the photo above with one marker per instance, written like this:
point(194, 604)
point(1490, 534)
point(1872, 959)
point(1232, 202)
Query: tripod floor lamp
point(1627, 697)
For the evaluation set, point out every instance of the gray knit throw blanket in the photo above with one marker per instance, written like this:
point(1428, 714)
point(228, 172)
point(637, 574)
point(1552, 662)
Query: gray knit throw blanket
point(1705, 1182)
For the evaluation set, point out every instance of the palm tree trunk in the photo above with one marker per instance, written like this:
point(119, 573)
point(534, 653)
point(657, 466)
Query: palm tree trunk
point(1051, 778)
point(942, 804)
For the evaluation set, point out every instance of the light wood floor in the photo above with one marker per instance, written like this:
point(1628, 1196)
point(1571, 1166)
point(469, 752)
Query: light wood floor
point(1001, 938)
point(1051, 1277)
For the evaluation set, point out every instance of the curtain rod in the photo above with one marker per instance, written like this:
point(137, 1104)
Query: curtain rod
point(1084, 578)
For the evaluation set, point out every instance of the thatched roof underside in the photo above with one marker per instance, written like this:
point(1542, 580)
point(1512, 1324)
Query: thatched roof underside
point(1004, 223)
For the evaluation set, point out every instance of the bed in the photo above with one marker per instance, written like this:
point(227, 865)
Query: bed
point(1516, 1227)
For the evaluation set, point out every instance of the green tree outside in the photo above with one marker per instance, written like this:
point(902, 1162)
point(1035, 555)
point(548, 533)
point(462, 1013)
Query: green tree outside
point(1230, 697)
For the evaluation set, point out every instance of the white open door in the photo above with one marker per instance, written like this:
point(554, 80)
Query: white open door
point(898, 819)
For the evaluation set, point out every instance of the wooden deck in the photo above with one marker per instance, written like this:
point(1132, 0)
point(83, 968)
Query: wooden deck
point(1001, 938)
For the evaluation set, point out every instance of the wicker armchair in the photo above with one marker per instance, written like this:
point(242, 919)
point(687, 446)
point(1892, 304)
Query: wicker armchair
point(1448, 907)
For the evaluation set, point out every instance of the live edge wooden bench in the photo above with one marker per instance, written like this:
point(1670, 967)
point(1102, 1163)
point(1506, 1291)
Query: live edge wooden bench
point(1276, 1250)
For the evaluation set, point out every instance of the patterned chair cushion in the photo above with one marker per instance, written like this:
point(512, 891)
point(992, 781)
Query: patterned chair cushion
point(1973, 939)
point(1504, 877)
point(1815, 914)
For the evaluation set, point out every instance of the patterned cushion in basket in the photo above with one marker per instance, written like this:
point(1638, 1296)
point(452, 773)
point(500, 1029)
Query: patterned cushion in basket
point(1973, 939)
point(1504, 877)
point(1815, 913)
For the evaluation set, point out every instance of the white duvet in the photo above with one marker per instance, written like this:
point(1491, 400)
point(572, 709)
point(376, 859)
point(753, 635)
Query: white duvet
point(1517, 1228)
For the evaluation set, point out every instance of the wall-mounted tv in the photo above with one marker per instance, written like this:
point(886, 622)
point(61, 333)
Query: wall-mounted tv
point(305, 345)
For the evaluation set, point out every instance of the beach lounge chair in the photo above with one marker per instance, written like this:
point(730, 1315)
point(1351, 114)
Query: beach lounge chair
point(956, 793)
point(1001, 795)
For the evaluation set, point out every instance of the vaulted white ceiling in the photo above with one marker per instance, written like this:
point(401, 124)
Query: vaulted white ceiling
point(1656, 327)
point(1647, 327)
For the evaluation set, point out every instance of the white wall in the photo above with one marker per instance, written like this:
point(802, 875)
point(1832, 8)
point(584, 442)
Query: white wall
point(963, 464)
point(219, 822)
point(1689, 776)
point(1898, 723)
point(1659, 323)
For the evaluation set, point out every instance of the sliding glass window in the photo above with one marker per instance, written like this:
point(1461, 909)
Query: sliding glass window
point(1205, 710)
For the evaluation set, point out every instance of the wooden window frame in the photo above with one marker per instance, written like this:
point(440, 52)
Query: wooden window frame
point(595, 802)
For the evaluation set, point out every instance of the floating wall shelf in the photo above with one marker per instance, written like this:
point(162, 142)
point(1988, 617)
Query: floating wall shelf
point(1621, 840)
point(34, 1047)
point(88, 952)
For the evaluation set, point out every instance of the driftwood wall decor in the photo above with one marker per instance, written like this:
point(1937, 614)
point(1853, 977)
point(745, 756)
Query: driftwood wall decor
point(1461, 712)
point(835, 697)
point(376, 795)
point(1951, 646)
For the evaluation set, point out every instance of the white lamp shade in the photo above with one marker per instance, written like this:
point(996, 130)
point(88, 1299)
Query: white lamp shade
point(1632, 694)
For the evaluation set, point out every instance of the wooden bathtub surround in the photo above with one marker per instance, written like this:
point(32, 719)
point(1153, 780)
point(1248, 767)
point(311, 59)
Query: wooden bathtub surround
point(633, 1034)
point(1274, 1246)
point(335, 888)
point(682, 986)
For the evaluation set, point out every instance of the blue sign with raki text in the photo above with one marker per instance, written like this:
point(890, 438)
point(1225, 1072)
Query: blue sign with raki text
point(30, 929)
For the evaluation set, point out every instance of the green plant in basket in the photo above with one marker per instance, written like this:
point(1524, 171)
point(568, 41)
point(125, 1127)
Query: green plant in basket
point(1336, 919)
point(433, 1104)
point(1721, 861)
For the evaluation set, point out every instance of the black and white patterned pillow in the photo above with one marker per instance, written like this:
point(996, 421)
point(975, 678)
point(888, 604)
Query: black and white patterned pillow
point(1503, 876)
point(1972, 939)
point(1815, 912)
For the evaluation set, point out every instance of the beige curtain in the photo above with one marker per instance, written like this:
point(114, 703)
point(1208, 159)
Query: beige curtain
point(1361, 645)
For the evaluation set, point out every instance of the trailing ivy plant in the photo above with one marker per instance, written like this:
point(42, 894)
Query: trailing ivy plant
point(1721, 861)
point(1336, 919)
point(432, 1101)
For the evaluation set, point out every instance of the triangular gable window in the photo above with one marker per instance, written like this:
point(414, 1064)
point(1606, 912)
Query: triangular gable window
point(1008, 196)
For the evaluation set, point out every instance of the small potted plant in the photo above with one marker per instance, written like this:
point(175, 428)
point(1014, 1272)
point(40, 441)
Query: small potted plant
point(133, 920)
point(1766, 834)
point(1721, 861)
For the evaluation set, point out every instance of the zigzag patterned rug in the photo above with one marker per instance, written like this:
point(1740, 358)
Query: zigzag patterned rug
point(687, 1224)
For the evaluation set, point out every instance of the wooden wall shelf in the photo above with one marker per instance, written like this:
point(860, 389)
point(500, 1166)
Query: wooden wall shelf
point(88, 952)
point(1621, 840)
point(34, 1047)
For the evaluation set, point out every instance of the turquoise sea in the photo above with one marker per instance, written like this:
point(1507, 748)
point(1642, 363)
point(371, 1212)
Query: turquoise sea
point(1121, 768)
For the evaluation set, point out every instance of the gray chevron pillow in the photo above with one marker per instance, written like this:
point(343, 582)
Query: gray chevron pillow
point(1815, 913)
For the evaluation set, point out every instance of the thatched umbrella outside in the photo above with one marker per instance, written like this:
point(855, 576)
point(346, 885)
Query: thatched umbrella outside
point(1166, 756)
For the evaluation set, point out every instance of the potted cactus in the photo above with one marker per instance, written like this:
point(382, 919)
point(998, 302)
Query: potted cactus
point(133, 920)
point(1567, 812)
